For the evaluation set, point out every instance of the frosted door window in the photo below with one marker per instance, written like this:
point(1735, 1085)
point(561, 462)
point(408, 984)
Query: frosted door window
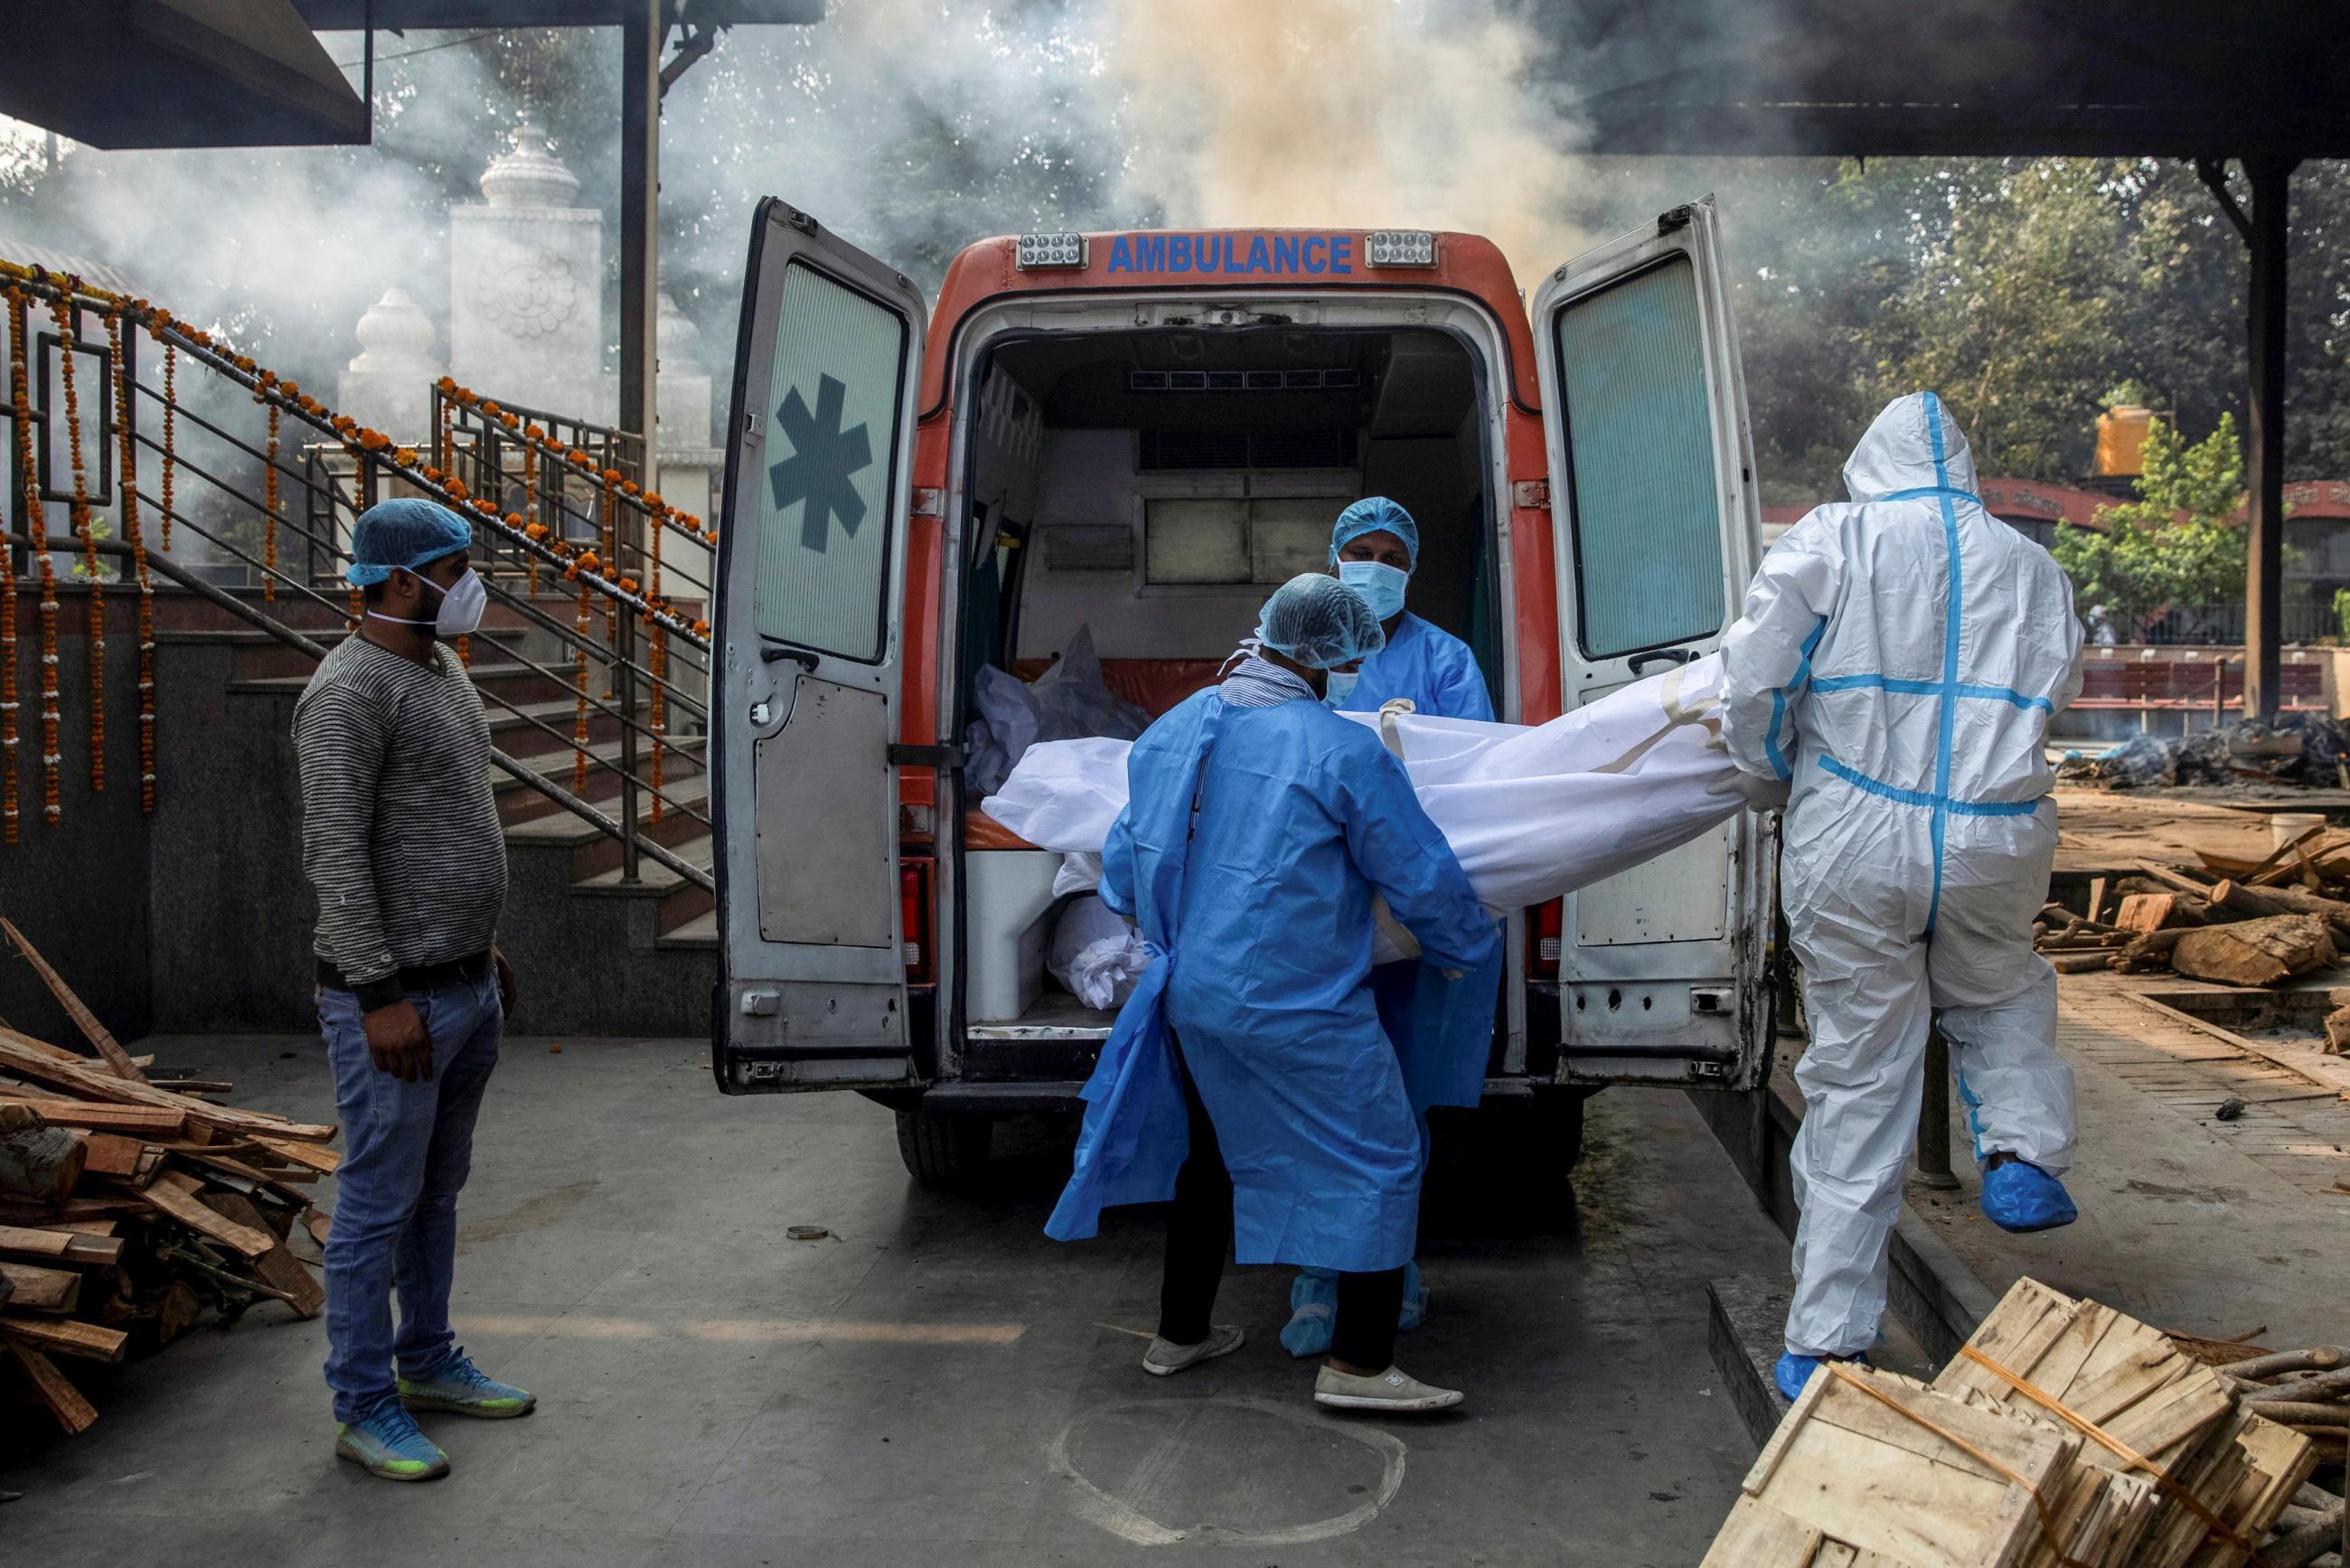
point(1639, 441)
point(823, 507)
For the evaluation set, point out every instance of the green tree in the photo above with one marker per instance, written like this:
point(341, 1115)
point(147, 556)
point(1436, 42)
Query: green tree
point(2179, 544)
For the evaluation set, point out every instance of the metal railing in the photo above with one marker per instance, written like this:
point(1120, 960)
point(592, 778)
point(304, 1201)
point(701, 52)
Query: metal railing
point(282, 501)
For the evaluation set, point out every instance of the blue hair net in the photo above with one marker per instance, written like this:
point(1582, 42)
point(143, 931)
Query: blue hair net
point(1375, 515)
point(1319, 621)
point(405, 532)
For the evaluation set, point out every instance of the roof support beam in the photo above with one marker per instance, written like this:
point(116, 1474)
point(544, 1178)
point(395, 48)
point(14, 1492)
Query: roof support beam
point(2271, 179)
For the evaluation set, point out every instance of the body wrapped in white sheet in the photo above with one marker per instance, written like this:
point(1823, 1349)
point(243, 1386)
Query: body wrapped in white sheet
point(1532, 813)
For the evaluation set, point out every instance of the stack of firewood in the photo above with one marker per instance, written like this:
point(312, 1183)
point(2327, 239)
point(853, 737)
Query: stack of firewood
point(2064, 1435)
point(2248, 922)
point(130, 1205)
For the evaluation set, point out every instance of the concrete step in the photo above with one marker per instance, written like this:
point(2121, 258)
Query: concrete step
point(519, 802)
point(701, 932)
point(681, 901)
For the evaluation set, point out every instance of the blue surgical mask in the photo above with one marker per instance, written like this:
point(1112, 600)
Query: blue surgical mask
point(1380, 584)
point(1341, 686)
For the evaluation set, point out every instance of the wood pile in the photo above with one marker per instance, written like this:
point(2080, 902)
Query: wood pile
point(129, 1206)
point(2064, 1435)
point(2243, 922)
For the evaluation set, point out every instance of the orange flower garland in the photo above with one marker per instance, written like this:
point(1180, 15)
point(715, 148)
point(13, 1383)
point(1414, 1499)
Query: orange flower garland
point(18, 407)
point(269, 513)
point(82, 527)
point(579, 684)
point(170, 408)
point(36, 531)
point(133, 536)
point(611, 553)
point(530, 502)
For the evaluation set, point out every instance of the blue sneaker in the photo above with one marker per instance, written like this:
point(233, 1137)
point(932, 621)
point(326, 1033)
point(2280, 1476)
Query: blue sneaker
point(388, 1444)
point(2019, 1195)
point(462, 1389)
point(1793, 1371)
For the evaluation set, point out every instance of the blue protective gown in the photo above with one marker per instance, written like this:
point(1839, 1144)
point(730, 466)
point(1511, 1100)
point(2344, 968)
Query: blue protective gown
point(1443, 1029)
point(1263, 927)
point(1428, 665)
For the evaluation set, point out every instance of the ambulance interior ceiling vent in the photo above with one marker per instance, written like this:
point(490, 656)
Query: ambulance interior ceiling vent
point(1400, 247)
point(1344, 377)
point(1040, 251)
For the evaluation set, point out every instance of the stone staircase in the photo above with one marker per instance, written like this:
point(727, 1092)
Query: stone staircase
point(597, 954)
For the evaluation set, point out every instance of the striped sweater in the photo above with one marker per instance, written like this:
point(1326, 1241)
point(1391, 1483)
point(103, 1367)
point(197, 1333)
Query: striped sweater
point(400, 835)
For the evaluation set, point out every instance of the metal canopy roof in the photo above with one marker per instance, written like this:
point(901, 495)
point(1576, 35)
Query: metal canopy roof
point(1965, 77)
point(337, 15)
point(180, 72)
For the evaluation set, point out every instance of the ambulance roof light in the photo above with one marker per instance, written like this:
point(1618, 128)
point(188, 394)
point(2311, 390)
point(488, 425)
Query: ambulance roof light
point(1401, 247)
point(1049, 251)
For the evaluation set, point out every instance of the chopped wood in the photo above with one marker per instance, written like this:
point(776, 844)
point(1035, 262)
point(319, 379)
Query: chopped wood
point(178, 1203)
point(277, 1268)
point(39, 1162)
point(17, 1056)
point(2073, 1403)
point(325, 1161)
point(2254, 953)
point(64, 1336)
point(2081, 964)
point(2142, 912)
point(2337, 1030)
point(37, 1289)
point(2096, 898)
point(153, 1121)
point(176, 1309)
point(117, 1060)
point(58, 1246)
point(73, 1412)
point(2316, 1358)
point(318, 1221)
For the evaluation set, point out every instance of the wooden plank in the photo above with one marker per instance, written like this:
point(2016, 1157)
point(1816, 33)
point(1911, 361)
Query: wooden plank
point(323, 1161)
point(117, 1060)
point(278, 1267)
point(39, 1164)
point(73, 1412)
point(112, 1154)
point(41, 1290)
point(17, 1056)
point(64, 1336)
point(58, 1246)
point(318, 1221)
point(153, 1121)
point(1758, 1536)
point(183, 1206)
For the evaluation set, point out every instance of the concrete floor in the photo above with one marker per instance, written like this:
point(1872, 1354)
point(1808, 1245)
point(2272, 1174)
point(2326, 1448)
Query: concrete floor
point(936, 1385)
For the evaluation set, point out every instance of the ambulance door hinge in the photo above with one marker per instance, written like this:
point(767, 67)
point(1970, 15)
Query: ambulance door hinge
point(951, 758)
point(1530, 494)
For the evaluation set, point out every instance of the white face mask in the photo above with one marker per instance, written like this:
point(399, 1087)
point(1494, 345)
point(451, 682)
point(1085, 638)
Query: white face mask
point(462, 605)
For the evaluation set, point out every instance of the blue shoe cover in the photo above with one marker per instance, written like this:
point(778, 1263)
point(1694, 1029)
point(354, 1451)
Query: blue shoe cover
point(2020, 1196)
point(1793, 1371)
point(1314, 1302)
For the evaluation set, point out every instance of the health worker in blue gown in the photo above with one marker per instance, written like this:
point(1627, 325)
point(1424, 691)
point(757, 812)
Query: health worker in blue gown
point(1442, 1027)
point(1248, 1077)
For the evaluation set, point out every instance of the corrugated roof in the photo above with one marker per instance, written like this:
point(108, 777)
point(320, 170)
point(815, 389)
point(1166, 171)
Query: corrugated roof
point(113, 279)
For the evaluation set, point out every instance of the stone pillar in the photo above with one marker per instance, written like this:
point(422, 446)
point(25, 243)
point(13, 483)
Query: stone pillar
point(527, 288)
point(389, 385)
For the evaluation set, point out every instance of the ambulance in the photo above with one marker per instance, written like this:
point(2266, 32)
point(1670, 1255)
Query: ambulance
point(1134, 437)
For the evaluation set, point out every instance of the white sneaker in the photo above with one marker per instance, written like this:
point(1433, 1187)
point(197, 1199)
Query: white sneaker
point(1394, 1391)
point(1166, 1359)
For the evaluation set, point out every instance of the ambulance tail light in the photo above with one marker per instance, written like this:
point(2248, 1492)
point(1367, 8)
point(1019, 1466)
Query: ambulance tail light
point(1543, 930)
point(1400, 247)
point(1039, 252)
point(914, 915)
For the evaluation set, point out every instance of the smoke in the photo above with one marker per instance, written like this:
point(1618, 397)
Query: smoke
point(1329, 113)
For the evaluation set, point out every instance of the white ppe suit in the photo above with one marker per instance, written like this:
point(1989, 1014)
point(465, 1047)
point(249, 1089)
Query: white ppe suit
point(1899, 660)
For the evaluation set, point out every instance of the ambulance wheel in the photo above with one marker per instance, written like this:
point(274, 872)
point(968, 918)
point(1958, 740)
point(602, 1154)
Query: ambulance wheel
point(1559, 1127)
point(945, 1152)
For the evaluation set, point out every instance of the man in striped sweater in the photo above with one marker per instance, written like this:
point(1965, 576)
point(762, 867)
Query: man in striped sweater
point(402, 840)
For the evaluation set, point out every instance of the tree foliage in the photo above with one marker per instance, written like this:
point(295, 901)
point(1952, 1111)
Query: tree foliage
point(2178, 545)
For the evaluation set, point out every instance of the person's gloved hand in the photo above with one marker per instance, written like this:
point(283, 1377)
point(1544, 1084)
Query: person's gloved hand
point(1757, 792)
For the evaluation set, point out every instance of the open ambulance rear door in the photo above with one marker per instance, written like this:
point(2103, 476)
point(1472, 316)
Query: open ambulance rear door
point(1663, 970)
point(805, 690)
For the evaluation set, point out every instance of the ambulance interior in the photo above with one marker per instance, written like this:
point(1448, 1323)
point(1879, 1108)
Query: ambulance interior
point(1133, 497)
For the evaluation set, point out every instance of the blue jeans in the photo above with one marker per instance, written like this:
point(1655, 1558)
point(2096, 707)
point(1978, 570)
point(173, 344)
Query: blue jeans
point(408, 1147)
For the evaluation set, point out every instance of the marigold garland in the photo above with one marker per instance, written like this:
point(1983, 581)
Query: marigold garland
point(134, 535)
point(530, 502)
point(579, 684)
point(83, 527)
point(9, 813)
point(657, 661)
point(37, 529)
point(269, 513)
point(171, 444)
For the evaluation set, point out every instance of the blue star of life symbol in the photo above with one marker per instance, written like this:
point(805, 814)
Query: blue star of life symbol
point(825, 459)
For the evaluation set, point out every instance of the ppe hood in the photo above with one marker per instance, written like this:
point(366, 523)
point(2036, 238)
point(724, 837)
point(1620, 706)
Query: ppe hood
point(1900, 452)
